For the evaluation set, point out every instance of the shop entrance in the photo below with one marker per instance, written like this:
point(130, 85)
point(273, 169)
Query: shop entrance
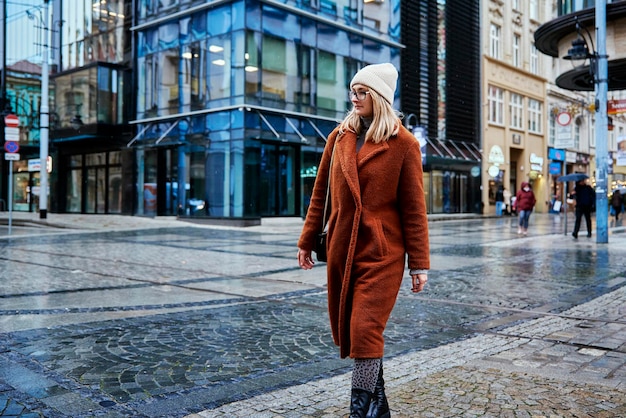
point(25, 191)
point(278, 180)
point(272, 179)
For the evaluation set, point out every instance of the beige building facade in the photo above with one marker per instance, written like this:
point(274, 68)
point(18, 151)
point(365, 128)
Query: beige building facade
point(514, 106)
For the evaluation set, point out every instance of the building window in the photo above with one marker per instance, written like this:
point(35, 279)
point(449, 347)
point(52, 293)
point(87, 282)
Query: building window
point(534, 59)
point(515, 4)
point(496, 105)
point(552, 127)
point(516, 109)
point(327, 81)
point(534, 116)
point(577, 133)
point(517, 58)
point(494, 44)
point(592, 133)
point(534, 9)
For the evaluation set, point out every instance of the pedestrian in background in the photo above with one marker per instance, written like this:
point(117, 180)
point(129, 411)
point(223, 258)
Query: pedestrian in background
point(377, 217)
point(507, 201)
point(524, 203)
point(585, 198)
point(617, 200)
point(500, 201)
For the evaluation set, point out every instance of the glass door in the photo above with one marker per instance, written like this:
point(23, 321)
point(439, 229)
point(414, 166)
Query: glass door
point(279, 181)
point(96, 190)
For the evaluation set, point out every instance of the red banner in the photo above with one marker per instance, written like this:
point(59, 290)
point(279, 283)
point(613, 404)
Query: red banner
point(614, 107)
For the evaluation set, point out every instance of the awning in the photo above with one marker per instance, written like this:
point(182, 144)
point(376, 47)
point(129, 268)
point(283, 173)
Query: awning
point(292, 125)
point(453, 150)
point(282, 126)
point(156, 133)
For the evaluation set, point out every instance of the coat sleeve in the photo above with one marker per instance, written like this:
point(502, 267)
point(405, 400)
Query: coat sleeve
point(412, 207)
point(314, 217)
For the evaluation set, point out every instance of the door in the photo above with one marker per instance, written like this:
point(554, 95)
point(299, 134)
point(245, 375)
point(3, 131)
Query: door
point(279, 180)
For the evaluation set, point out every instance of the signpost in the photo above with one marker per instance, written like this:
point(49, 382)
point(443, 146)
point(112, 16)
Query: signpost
point(563, 137)
point(11, 146)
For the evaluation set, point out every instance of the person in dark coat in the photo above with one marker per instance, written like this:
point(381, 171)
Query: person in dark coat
point(617, 200)
point(585, 201)
point(500, 201)
point(377, 218)
point(524, 203)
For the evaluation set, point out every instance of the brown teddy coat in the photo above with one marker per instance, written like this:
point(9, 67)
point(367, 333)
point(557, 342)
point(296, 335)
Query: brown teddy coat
point(377, 217)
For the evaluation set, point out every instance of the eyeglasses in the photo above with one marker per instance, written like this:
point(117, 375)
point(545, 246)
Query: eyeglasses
point(359, 95)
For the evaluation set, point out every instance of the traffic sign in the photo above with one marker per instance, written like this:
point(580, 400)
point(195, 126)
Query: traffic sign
point(11, 137)
point(11, 134)
point(563, 118)
point(12, 157)
point(11, 147)
point(11, 121)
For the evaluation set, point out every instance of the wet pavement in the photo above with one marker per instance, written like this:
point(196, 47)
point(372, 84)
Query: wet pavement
point(123, 316)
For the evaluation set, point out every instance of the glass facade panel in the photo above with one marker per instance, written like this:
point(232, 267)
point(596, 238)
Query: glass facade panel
point(274, 71)
point(91, 94)
point(74, 190)
point(219, 21)
point(279, 22)
point(93, 31)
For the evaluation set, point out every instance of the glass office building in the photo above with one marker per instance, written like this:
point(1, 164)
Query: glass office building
point(235, 99)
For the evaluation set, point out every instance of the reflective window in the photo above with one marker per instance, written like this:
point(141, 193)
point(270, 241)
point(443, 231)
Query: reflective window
point(93, 31)
point(89, 96)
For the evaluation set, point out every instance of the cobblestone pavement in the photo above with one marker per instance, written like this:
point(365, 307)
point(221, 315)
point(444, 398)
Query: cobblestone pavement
point(122, 316)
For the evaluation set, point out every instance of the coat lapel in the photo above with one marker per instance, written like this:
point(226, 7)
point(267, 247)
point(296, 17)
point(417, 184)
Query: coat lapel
point(346, 152)
point(370, 151)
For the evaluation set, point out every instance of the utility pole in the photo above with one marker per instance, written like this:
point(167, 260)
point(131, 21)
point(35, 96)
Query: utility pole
point(44, 119)
point(3, 93)
point(602, 152)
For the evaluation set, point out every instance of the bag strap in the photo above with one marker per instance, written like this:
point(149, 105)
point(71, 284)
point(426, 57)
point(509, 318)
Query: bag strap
point(325, 219)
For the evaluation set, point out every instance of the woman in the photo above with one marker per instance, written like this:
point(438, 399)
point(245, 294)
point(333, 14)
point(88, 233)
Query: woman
point(377, 217)
point(524, 204)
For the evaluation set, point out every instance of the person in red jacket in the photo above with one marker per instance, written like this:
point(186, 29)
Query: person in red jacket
point(524, 203)
point(377, 218)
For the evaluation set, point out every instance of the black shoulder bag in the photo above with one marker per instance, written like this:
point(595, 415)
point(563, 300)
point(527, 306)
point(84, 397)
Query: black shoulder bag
point(320, 242)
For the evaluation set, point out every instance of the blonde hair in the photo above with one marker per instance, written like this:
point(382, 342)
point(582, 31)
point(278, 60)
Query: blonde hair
point(384, 121)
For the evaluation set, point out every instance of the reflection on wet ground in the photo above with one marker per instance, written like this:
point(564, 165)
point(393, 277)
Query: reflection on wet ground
point(181, 318)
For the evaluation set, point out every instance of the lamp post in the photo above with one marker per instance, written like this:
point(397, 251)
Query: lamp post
point(599, 71)
point(44, 122)
point(602, 121)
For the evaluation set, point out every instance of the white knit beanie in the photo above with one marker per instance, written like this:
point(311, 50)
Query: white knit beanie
point(381, 78)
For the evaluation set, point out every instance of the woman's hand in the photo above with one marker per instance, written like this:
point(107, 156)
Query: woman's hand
point(419, 281)
point(305, 259)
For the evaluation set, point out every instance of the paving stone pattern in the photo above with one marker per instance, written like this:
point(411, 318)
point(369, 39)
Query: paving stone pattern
point(171, 321)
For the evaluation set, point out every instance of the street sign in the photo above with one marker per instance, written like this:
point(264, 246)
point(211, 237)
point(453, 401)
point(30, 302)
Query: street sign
point(12, 157)
point(11, 121)
point(11, 137)
point(11, 147)
point(563, 118)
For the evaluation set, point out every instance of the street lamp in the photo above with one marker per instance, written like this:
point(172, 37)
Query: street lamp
point(44, 124)
point(598, 70)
